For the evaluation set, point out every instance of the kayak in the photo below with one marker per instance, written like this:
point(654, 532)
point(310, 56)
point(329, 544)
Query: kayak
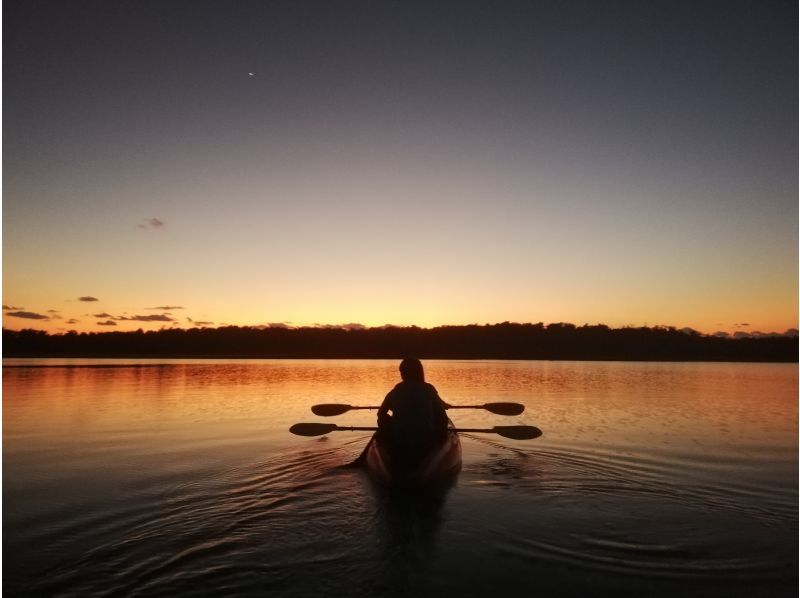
point(440, 467)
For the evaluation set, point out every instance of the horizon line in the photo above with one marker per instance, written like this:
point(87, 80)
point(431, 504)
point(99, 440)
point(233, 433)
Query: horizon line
point(353, 326)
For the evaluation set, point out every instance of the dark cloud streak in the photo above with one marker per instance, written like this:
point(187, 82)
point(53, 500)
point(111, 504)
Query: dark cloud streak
point(27, 315)
point(137, 318)
point(151, 224)
point(146, 318)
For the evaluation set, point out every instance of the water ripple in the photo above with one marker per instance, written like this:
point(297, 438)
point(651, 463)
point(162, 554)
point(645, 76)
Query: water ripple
point(165, 481)
point(601, 472)
point(202, 524)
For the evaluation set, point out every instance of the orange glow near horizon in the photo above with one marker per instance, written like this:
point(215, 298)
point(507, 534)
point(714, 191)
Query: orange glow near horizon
point(474, 265)
point(378, 288)
point(84, 317)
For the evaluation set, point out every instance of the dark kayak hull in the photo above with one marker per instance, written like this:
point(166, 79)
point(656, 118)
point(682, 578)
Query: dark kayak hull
point(440, 467)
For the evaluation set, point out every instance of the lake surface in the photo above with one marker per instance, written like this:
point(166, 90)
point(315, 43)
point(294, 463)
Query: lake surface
point(178, 477)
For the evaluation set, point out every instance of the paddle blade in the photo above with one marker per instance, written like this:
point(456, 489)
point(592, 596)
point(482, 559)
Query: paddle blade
point(330, 409)
point(504, 408)
point(518, 432)
point(312, 429)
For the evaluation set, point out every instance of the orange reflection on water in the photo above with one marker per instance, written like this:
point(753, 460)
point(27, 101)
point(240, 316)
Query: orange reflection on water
point(187, 468)
point(685, 405)
point(643, 404)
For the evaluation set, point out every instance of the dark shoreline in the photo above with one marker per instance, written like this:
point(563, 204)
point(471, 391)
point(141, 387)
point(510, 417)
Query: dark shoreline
point(507, 341)
point(396, 358)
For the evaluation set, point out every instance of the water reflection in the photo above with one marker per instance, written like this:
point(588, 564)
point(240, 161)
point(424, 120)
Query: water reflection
point(180, 478)
point(407, 530)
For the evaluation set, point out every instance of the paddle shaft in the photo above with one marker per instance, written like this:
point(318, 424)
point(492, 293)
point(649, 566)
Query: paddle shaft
point(514, 432)
point(374, 429)
point(374, 407)
point(356, 428)
point(331, 409)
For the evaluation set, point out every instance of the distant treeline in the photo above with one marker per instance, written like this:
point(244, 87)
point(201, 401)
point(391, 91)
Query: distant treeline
point(496, 341)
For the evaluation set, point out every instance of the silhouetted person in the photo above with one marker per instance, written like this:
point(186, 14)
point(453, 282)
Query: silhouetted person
point(418, 421)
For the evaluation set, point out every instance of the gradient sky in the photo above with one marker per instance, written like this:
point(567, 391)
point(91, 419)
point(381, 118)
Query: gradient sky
point(426, 163)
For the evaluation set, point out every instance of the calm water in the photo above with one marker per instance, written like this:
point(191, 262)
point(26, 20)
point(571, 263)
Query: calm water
point(158, 478)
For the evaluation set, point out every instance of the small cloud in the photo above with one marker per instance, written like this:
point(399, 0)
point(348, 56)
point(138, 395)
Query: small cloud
point(151, 223)
point(147, 318)
point(107, 323)
point(350, 326)
point(282, 325)
point(200, 323)
point(7, 307)
point(166, 307)
point(102, 315)
point(72, 321)
point(88, 298)
point(28, 315)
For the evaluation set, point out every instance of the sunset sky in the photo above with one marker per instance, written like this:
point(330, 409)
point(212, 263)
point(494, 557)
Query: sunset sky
point(626, 163)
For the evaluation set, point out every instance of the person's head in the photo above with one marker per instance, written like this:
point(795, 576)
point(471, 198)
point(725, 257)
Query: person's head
point(411, 370)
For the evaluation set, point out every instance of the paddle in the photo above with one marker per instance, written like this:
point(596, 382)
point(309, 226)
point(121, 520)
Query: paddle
point(331, 409)
point(513, 432)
